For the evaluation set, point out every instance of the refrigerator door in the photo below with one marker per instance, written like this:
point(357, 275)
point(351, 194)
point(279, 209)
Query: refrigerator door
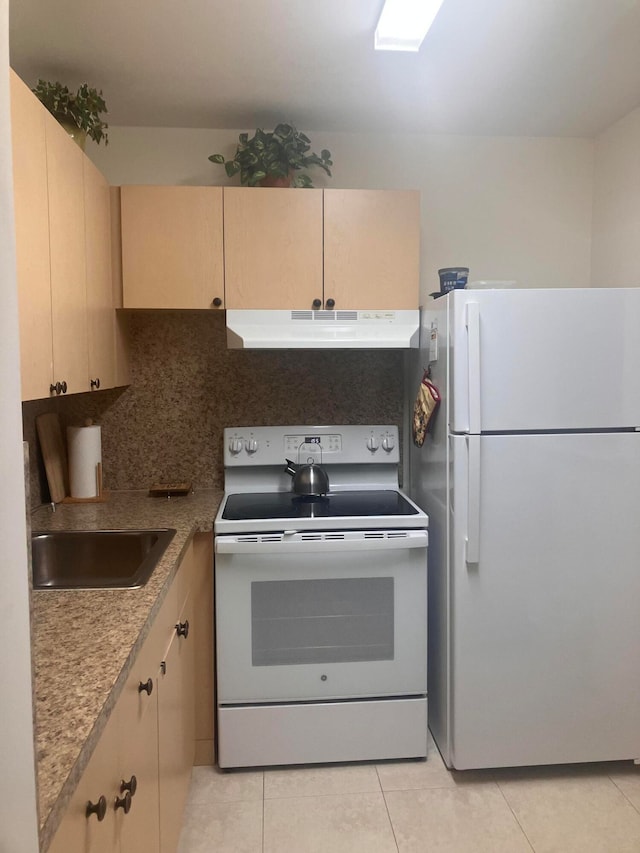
point(527, 360)
point(544, 592)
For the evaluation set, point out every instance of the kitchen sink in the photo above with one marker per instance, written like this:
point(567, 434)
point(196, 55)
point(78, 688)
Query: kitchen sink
point(96, 559)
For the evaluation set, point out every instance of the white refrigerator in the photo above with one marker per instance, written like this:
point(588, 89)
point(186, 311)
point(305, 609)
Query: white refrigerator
point(531, 479)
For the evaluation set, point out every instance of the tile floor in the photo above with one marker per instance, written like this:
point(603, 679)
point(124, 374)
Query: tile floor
point(411, 807)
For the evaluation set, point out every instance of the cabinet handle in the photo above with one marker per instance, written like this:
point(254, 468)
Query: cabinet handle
point(123, 803)
point(59, 388)
point(217, 302)
point(131, 786)
point(95, 383)
point(146, 686)
point(317, 303)
point(182, 629)
point(99, 809)
point(330, 303)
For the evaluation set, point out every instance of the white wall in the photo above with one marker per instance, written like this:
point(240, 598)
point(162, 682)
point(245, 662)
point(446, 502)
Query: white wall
point(18, 817)
point(616, 205)
point(507, 207)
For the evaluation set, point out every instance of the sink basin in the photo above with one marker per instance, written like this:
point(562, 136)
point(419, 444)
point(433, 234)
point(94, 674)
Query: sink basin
point(96, 559)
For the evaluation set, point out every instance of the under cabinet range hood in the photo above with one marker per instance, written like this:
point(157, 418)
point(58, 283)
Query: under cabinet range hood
point(376, 329)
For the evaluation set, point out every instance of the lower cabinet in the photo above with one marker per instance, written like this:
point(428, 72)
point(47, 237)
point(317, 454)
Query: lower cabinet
point(132, 794)
point(176, 717)
point(90, 823)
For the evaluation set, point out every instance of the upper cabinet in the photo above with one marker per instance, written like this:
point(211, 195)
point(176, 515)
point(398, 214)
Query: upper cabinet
point(100, 307)
point(371, 249)
point(63, 250)
point(65, 180)
point(272, 248)
point(31, 211)
point(172, 254)
point(283, 249)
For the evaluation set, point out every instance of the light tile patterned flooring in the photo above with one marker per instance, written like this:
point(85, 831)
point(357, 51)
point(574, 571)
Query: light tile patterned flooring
point(411, 807)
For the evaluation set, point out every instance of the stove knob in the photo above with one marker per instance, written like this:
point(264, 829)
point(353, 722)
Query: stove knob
point(251, 445)
point(235, 446)
point(388, 443)
point(372, 443)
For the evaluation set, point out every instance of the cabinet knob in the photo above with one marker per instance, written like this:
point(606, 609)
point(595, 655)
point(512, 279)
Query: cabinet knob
point(182, 629)
point(217, 302)
point(330, 303)
point(95, 383)
point(317, 303)
point(59, 388)
point(146, 686)
point(131, 786)
point(99, 809)
point(123, 803)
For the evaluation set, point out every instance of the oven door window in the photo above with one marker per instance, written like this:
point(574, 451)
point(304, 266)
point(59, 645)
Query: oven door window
point(332, 620)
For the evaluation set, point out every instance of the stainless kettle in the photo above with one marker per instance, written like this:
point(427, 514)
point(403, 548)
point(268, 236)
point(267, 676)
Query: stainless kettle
point(309, 479)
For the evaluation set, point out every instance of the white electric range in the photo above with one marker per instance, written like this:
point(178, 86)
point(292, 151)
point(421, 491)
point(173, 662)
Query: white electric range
point(321, 602)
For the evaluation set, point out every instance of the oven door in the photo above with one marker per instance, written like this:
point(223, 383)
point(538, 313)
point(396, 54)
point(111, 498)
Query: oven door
point(326, 615)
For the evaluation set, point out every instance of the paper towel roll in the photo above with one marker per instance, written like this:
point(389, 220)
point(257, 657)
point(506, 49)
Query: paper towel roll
point(85, 452)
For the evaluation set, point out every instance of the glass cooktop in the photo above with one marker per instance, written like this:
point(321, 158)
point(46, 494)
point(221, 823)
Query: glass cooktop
point(264, 506)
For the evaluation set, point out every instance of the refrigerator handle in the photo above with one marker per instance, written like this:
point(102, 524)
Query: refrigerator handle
point(472, 543)
point(473, 362)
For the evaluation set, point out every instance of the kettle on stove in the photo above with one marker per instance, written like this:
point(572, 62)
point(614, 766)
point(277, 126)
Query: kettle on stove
point(308, 479)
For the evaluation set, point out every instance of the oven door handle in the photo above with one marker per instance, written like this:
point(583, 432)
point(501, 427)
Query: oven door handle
point(323, 543)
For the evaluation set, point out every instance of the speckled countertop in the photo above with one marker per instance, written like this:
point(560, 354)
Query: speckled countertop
point(85, 641)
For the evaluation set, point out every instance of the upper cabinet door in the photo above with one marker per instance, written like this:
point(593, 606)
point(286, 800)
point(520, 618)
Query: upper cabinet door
point(31, 208)
point(65, 182)
point(273, 247)
point(372, 249)
point(100, 309)
point(172, 247)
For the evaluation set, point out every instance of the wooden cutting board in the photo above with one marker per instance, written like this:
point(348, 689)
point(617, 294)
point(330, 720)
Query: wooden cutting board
point(54, 454)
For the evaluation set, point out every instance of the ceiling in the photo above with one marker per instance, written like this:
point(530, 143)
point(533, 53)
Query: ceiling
point(487, 67)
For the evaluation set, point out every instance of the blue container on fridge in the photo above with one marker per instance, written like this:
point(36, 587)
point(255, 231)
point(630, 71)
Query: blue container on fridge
point(452, 278)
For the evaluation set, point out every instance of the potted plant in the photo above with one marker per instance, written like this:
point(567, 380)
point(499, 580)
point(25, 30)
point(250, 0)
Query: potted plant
point(78, 113)
point(273, 159)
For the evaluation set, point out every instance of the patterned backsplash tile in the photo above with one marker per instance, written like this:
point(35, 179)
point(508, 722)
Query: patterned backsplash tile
point(186, 386)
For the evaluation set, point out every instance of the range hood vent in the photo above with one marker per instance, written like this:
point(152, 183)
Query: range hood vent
point(341, 316)
point(322, 329)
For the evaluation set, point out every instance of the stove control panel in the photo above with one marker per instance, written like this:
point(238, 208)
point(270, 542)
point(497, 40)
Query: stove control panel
point(328, 445)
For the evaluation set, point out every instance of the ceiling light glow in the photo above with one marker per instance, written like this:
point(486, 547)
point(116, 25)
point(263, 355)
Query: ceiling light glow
point(403, 24)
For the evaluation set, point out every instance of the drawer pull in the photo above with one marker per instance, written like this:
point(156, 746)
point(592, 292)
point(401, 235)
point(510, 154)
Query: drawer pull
point(216, 302)
point(123, 803)
point(182, 629)
point(99, 809)
point(131, 786)
point(146, 686)
point(95, 383)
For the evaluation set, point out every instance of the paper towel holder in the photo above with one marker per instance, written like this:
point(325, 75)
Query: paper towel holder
point(101, 496)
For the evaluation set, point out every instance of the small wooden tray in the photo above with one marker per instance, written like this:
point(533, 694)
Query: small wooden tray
point(169, 490)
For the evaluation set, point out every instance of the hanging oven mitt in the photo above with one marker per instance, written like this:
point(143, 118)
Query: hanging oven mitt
point(425, 407)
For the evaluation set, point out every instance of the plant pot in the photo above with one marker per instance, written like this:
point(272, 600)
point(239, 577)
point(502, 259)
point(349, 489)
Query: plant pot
point(280, 181)
point(78, 135)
